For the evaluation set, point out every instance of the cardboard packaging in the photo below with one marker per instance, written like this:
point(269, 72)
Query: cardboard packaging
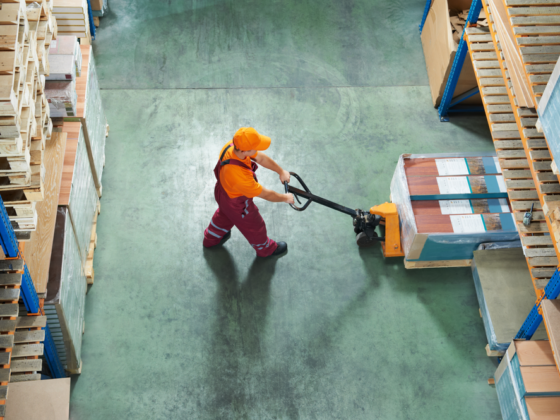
point(440, 49)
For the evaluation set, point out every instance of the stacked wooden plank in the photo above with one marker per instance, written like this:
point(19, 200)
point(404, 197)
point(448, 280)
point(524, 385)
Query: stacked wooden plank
point(536, 28)
point(523, 152)
point(502, 73)
point(21, 336)
point(72, 17)
point(27, 30)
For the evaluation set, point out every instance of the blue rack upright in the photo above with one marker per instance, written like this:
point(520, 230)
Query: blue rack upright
point(449, 104)
point(29, 295)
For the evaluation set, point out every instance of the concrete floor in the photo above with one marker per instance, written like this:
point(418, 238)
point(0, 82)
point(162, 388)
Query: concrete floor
point(327, 332)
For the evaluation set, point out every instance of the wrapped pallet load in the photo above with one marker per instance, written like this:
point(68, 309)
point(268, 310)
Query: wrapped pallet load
point(66, 293)
point(448, 205)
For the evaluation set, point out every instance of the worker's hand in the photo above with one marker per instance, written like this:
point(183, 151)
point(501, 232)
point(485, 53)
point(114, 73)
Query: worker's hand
point(285, 177)
point(289, 198)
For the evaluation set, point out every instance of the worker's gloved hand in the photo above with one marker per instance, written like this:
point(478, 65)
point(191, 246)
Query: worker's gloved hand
point(289, 198)
point(285, 177)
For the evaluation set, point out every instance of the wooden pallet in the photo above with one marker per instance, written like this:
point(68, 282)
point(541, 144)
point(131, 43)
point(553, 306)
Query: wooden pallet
point(90, 273)
point(25, 126)
point(437, 264)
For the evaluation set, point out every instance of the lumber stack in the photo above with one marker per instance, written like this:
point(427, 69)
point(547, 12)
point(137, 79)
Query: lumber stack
point(27, 30)
point(22, 335)
point(445, 218)
point(72, 17)
point(510, 97)
point(521, 149)
point(549, 110)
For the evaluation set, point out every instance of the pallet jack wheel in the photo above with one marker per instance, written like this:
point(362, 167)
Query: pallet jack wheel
point(363, 241)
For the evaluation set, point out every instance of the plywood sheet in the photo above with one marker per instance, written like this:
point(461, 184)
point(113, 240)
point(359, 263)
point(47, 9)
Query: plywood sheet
point(38, 249)
point(45, 400)
point(508, 291)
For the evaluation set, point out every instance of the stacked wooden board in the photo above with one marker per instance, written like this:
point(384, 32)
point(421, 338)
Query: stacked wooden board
point(72, 17)
point(512, 59)
point(27, 30)
point(21, 334)
point(522, 151)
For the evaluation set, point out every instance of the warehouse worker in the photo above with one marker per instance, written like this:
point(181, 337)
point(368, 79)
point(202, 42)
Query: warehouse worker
point(235, 189)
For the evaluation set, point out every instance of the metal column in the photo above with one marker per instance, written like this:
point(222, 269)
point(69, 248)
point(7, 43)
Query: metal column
point(551, 291)
point(426, 11)
point(91, 24)
point(448, 104)
point(28, 292)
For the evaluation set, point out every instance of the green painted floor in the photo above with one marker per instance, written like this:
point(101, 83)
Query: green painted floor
point(327, 332)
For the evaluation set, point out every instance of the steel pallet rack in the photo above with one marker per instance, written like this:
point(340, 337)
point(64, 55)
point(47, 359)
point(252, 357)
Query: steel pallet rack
point(448, 103)
point(91, 22)
point(29, 295)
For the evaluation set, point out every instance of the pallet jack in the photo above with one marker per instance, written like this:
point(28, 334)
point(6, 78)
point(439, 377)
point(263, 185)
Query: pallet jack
point(365, 223)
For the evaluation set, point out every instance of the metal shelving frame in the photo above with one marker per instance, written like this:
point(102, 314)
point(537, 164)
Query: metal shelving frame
point(450, 104)
point(29, 296)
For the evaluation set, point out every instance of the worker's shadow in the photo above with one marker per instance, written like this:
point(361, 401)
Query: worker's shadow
point(237, 332)
point(241, 307)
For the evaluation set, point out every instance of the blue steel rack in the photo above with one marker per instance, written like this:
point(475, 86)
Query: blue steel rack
point(449, 104)
point(29, 295)
point(91, 24)
point(551, 291)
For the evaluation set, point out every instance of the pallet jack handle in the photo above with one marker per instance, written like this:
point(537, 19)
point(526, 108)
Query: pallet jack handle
point(306, 193)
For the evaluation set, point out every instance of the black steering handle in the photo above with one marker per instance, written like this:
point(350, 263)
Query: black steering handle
point(295, 191)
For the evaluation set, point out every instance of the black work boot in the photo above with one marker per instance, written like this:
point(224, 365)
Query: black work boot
point(224, 239)
point(280, 251)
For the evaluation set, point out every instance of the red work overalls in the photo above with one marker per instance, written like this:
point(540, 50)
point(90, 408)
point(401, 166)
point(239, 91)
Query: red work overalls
point(240, 212)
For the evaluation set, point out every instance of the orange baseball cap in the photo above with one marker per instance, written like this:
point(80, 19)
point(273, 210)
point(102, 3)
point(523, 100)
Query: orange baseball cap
point(247, 138)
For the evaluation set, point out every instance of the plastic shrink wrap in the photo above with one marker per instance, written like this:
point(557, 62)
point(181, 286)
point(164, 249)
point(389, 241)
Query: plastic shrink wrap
point(95, 118)
point(83, 197)
point(66, 292)
point(438, 246)
point(62, 98)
